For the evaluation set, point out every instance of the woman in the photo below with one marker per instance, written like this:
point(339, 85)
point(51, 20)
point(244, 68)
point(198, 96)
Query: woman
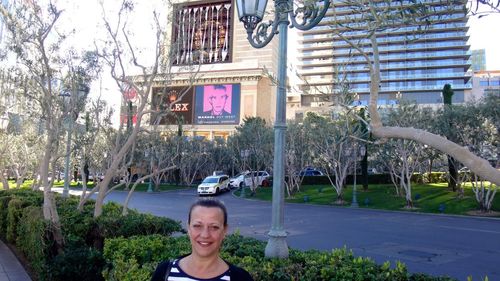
point(207, 227)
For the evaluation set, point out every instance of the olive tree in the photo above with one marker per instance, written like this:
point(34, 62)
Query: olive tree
point(252, 146)
point(38, 49)
point(334, 143)
point(298, 154)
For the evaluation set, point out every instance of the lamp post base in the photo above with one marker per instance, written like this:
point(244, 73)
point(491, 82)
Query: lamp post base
point(65, 193)
point(354, 205)
point(276, 245)
point(150, 187)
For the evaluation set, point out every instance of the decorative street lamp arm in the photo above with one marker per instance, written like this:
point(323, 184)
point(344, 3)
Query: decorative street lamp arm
point(262, 35)
point(311, 15)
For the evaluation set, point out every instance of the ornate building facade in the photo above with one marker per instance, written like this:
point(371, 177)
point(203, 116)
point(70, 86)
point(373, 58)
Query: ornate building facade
point(209, 36)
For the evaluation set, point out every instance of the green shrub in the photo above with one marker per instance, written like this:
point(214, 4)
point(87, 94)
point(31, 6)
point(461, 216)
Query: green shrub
point(135, 258)
point(435, 177)
point(21, 199)
point(75, 224)
point(5, 197)
point(136, 224)
point(379, 179)
point(14, 211)
point(312, 180)
point(77, 262)
point(4, 203)
point(32, 240)
point(372, 179)
point(130, 259)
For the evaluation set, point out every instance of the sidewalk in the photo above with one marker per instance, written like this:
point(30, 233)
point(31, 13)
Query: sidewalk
point(10, 268)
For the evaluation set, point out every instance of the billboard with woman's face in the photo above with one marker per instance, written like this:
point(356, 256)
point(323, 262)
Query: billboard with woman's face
point(217, 104)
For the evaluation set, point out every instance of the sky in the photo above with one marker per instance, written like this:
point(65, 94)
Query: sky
point(484, 34)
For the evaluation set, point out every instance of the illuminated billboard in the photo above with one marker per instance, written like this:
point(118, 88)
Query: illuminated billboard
point(178, 99)
point(217, 104)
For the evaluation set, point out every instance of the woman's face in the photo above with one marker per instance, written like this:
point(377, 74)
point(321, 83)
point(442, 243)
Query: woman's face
point(206, 231)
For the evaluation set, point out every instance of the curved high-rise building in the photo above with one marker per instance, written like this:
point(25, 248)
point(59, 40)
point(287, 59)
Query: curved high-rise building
point(415, 61)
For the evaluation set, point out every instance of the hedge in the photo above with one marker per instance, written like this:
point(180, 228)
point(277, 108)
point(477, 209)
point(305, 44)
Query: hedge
point(135, 259)
point(84, 236)
point(436, 177)
point(32, 238)
point(4, 204)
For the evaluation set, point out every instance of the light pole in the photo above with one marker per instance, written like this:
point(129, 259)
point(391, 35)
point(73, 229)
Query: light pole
point(244, 155)
point(66, 96)
point(251, 13)
point(70, 101)
point(150, 153)
point(354, 202)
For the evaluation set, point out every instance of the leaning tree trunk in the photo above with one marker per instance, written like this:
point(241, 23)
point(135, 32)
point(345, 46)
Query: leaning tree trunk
point(476, 164)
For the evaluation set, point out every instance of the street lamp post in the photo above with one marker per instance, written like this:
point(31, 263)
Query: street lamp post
point(66, 96)
point(244, 156)
point(251, 13)
point(354, 202)
point(71, 102)
point(149, 152)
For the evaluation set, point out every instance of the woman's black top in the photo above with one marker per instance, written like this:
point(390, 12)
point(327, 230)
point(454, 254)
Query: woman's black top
point(174, 271)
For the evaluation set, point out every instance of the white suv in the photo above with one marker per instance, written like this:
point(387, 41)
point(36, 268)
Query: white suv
point(245, 179)
point(213, 185)
point(238, 180)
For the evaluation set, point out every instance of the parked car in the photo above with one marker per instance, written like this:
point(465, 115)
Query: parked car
point(238, 180)
point(98, 176)
point(245, 179)
point(262, 178)
point(309, 171)
point(213, 185)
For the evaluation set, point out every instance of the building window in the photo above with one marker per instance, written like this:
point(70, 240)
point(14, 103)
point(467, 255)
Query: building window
point(495, 83)
point(483, 83)
point(202, 34)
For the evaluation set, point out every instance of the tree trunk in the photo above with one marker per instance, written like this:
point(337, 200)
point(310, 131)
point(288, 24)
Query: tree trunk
point(430, 171)
point(5, 183)
point(19, 181)
point(49, 205)
point(409, 203)
point(50, 212)
point(83, 196)
point(453, 172)
point(364, 170)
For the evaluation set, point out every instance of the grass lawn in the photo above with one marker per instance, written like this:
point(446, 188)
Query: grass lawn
point(143, 187)
point(431, 196)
